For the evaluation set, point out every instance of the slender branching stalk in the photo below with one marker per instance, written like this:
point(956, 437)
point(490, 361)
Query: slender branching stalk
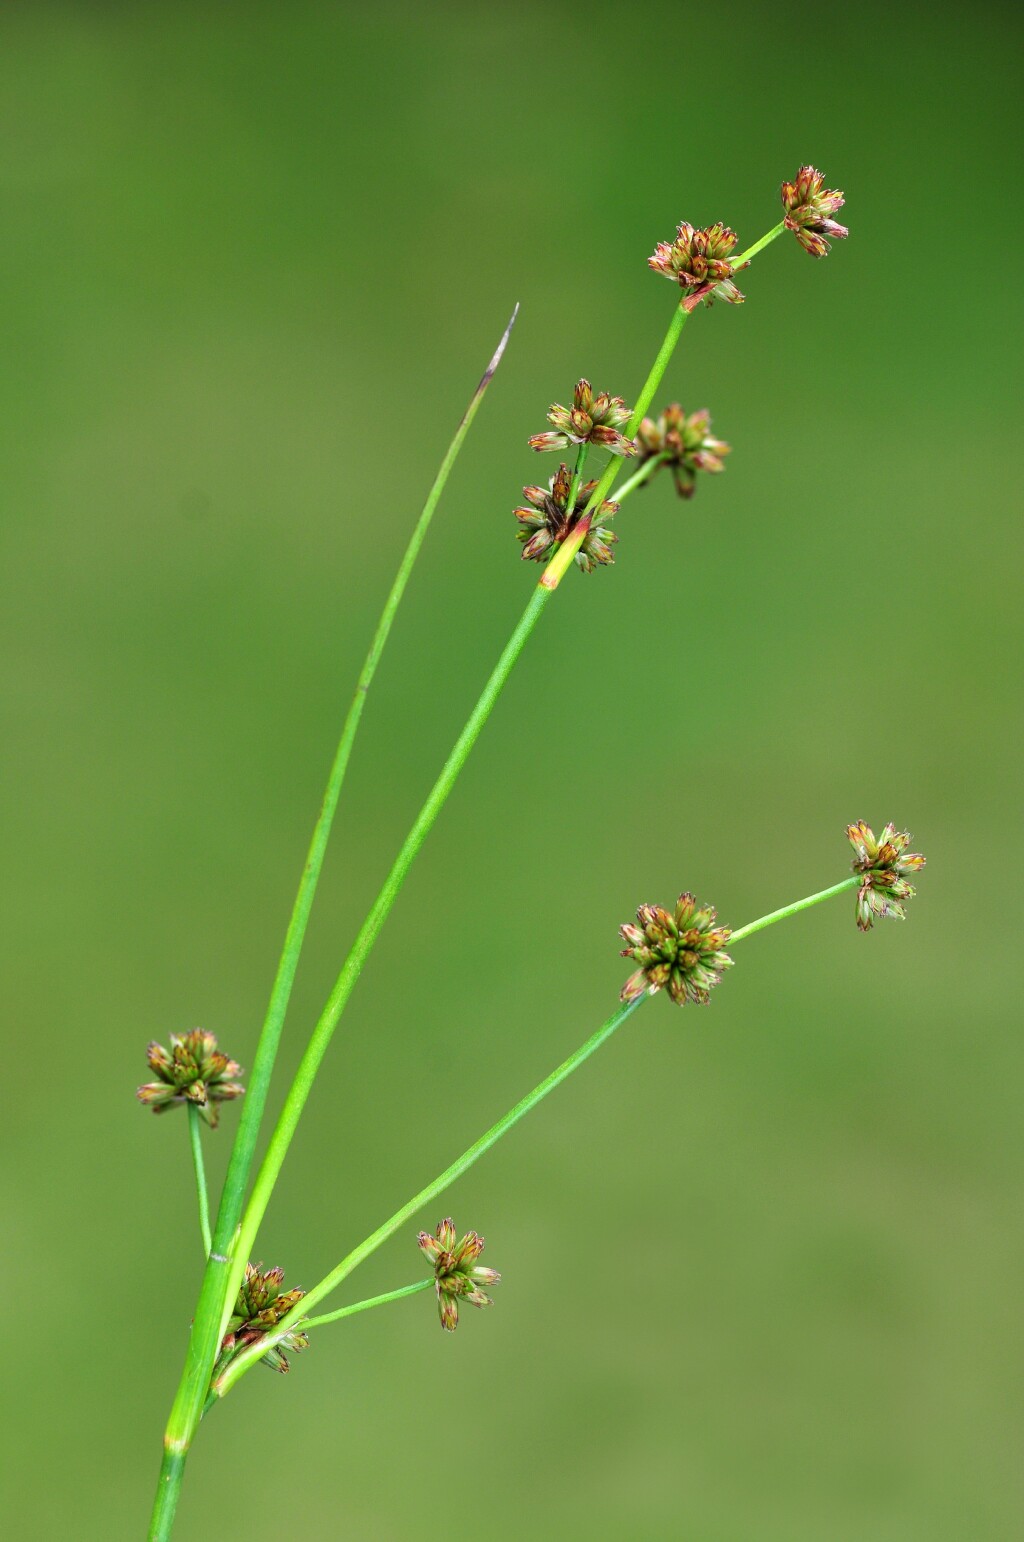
point(196, 1142)
point(297, 1318)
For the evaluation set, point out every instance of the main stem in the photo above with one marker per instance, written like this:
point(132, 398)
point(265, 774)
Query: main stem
point(216, 1292)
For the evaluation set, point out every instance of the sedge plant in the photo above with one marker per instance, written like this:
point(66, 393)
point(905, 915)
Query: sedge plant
point(244, 1315)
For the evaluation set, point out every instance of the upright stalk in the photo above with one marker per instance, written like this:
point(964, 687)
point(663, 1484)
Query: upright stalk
point(215, 1290)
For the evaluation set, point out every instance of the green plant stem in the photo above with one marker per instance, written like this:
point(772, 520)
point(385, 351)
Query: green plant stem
point(241, 1363)
point(371, 927)
point(196, 1142)
point(216, 1294)
point(638, 478)
point(759, 246)
point(364, 1306)
point(792, 910)
point(249, 1357)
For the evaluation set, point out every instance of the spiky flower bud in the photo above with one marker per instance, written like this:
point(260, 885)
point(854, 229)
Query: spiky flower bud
point(547, 523)
point(457, 1276)
point(590, 420)
point(192, 1071)
point(883, 866)
point(699, 262)
point(686, 442)
point(260, 1306)
point(683, 951)
point(809, 208)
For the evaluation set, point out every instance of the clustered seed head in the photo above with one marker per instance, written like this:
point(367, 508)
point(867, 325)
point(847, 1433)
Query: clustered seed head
point(457, 1276)
point(699, 262)
point(590, 420)
point(686, 442)
point(192, 1071)
point(883, 866)
point(684, 951)
point(548, 523)
point(261, 1305)
point(809, 208)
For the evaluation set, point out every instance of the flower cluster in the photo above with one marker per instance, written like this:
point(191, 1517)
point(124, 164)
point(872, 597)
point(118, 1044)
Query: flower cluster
point(548, 522)
point(457, 1276)
point(699, 261)
point(192, 1071)
point(882, 866)
point(684, 951)
point(809, 208)
point(261, 1305)
point(684, 443)
point(590, 420)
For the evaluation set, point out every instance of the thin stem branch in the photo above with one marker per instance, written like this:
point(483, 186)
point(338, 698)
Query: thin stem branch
point(216, 1292)
point(248, 1357)
point(195, 1139)
point(638, 478)
point(792, 910)
point(330, 1282)
point(364, 1306)
point(759, 246)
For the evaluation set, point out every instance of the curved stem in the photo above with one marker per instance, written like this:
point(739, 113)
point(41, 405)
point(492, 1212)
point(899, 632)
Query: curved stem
point(638, 478)
point(759, 246)
point(364, 1306)
point(792, 910)
point(196, 1142)
point(216, 1291)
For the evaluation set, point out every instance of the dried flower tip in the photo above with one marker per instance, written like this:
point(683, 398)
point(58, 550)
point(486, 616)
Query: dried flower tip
point(809, 208)
point(547, 523)
point(883, 866)
point(684, 443)
point(699, 262)
point(590, 420)
point(683, 951)
point(260, 1306)
point(192, 1071)
point(457, 1276)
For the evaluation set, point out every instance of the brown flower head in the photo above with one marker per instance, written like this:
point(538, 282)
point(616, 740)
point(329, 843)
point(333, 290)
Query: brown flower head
point(685, 442)
point(590, 420)
point(683, 951)
point(260, 1306)
point(809, 208)
point(457, 1276)
point(883, 866)
point(192, 1071)
point(546, 523)
point(699, 261)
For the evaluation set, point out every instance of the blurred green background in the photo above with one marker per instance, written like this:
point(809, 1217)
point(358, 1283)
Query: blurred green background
point(761, 1263)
